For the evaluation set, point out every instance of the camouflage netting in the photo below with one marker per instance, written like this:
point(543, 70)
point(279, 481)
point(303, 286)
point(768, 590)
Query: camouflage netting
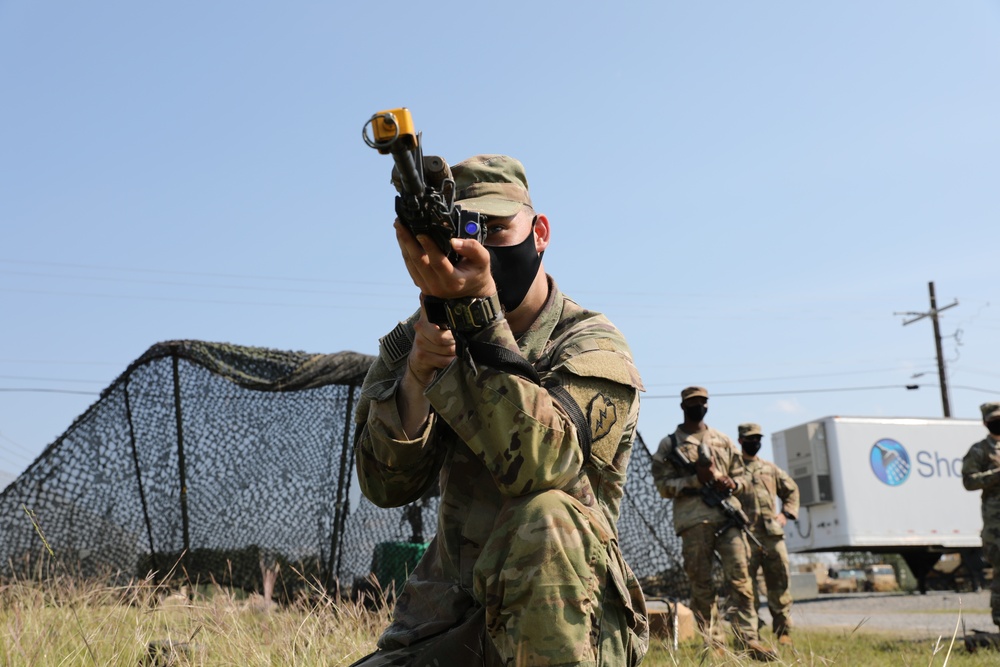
point(646, 531)
point(210, 459)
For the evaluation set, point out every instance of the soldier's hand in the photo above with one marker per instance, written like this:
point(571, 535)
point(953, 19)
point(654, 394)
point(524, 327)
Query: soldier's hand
point(433, 349)
point(434, 274)
point(991, 478)
point(781, 519)
point(724, 484)
point(705, 472)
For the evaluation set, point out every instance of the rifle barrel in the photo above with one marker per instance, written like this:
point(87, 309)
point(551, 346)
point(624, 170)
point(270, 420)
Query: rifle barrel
point(406, 164)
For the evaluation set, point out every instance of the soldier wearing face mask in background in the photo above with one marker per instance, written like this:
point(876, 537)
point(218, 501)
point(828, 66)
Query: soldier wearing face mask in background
point(703, 529)
point(981, 470)
point(765, 483)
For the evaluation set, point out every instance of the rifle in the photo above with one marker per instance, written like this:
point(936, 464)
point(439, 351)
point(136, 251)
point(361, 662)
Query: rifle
point(735, 517)
point(426, 200)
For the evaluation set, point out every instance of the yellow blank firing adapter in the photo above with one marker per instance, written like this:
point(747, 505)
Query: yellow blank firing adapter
point(392, 130)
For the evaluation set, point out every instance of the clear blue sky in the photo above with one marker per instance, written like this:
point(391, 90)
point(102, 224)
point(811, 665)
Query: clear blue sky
point(748, 190)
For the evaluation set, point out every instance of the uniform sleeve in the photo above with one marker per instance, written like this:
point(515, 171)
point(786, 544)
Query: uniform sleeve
point(734, 467)
point(788, 492)
point(977, 472)
point(523, 434)
point(670, 479)
point(392, 471)
point(745, 488)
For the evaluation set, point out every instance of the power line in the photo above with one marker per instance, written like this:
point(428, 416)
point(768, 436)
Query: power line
point(10, 457)
point(802, 391)
point(173, 283)
point(785, 377)
point(38, 379)
point(19, 456)
point(58, 362)
point(49, 391)
point(985, 391)
point(974, 371)
point(908, 387)
point(190, 300)
point(797, 363)
point(618, 306)
point(94, 267)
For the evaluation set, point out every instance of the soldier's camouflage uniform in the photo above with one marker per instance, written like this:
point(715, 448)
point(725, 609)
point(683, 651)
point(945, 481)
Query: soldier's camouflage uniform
point(981, 470)
point(764, 483)
point(697, 523)
point(526, 538)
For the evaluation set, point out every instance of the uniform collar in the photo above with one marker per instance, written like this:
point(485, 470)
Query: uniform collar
point(532, 342)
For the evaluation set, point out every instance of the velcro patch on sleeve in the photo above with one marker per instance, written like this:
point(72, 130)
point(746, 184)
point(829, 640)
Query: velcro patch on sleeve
point(396, 344)
point(607, 364)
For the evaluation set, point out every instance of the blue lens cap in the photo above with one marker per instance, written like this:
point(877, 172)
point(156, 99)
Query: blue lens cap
point(471, 228)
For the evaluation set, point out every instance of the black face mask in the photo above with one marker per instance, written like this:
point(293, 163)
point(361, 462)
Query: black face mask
point(994, 426)
point(695, 413)
point(514, 268)
point(751, 447)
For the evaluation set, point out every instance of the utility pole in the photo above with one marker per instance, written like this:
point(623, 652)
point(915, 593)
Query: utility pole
point(933, 314)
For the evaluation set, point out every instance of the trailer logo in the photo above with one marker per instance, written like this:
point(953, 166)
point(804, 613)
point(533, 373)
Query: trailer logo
point(890, 462)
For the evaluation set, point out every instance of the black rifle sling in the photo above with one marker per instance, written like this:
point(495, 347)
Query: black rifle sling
point(678, 457)
point(576, 415)
point(689, 467)
point(503, 359)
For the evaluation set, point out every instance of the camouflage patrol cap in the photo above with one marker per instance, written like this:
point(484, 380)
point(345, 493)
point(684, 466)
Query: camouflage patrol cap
point(990, 411)
point(749, 429)
point(693, 392)
point(494, 185)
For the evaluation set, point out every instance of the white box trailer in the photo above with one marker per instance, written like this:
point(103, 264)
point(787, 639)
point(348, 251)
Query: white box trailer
point(888, 485)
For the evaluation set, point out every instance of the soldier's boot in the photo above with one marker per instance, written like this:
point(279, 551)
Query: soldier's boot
point(759, 652)
point(715, 648)
point(781, 630)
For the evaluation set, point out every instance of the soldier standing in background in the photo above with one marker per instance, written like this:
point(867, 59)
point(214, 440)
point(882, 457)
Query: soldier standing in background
point(703, 529)
point(981, 470)
point(764, 482)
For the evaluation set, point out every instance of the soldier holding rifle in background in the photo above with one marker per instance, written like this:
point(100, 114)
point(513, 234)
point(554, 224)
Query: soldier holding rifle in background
point(700, 469)
point(981, 470)
point(766, 482)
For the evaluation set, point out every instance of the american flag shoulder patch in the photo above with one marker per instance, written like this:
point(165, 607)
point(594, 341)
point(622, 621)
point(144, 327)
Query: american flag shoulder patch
point(396, 344)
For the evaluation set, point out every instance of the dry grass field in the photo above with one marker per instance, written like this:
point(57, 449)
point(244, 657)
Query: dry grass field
point(65, 622)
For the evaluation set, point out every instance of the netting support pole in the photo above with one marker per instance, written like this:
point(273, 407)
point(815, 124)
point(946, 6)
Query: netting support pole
point(138, 479)
point(180, 455)
point(340, 506)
